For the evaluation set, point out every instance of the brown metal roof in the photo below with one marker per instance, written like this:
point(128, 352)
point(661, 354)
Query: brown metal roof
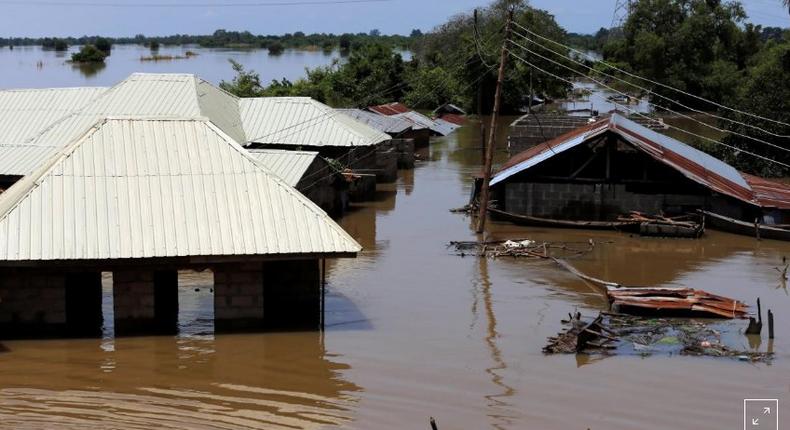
point(692, 163)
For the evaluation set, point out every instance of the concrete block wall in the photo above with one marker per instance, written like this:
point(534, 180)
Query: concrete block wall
point(587, 201)
point(405, 149)
point(386, 162)
point(238, 296)
point(292, 291)
point(30, 300)
point(145, 301)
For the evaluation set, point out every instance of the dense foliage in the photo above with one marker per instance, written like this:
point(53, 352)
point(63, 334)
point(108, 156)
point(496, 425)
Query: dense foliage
point(235, 39)
point(449, 64)
point(89, 54)
point(708, 49)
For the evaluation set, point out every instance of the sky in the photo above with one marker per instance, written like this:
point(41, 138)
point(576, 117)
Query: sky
point(36, 18)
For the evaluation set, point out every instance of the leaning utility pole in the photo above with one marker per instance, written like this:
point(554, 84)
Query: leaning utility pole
point(484, 192)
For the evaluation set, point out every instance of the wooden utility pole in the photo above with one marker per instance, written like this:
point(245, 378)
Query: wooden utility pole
point(484, 192)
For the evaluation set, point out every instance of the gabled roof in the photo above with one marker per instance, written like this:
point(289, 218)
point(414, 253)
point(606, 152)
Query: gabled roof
point(290, 166)
point(302, 121)
point(153, 188)
point(141, 95)
point(418, 120)
point(692, 163)
point(383, 123)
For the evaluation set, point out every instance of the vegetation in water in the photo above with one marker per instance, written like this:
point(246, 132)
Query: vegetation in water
point(235, 39)
point(89, 54)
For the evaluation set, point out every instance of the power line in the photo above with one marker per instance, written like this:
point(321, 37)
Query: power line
point(479, 78)
point(651, 104)
point(591, 58)
point(647, 117)
point(733, 121)
point(187, 5)
point(331, 113)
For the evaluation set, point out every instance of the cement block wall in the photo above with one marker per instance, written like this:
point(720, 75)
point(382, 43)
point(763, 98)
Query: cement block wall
point(587, 201)
point(30, 300)
point(238, 297)
point(38, 303)
point(145, 301)
point(292, 294)
point(386, 162)
point(405, 149)
point(283, 295)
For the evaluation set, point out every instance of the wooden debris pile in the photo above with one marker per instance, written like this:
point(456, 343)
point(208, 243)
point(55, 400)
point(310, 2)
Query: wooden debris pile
point(611, 333)
point(687, 226)
point(522, 248)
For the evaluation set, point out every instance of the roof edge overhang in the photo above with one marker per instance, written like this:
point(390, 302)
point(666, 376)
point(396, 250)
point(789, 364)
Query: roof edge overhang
point(173, 261)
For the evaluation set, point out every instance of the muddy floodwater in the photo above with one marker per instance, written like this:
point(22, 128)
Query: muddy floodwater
point(414, 331)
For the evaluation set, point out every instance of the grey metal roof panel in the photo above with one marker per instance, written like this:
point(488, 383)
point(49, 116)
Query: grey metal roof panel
point(157, 188)
point(302, 121)
point(291, 166)
point(383, 123)
point(141, 95)
point(25, 113)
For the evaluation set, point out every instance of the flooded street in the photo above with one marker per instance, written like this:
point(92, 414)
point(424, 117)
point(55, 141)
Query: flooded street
point(415, 331)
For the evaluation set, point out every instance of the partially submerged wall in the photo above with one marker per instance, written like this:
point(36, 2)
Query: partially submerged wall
point(573, 201)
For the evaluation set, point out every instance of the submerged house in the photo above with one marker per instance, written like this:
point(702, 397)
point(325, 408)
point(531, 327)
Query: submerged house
point(310, 174)
point(403, 133)
point(426, 125)
point(301, 123)
point(142, 180)
point(144, 198)
point(613, 166)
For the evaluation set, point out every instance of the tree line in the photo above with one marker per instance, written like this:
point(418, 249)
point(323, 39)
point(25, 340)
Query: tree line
point(231, 39)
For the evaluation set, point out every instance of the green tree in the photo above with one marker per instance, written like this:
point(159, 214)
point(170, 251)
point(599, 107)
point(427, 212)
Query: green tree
point(88, 54)
point(471, 60)
point(693, 45)
point(244, 84)
point(276, 48)
point(764, 89)
point(103, 44)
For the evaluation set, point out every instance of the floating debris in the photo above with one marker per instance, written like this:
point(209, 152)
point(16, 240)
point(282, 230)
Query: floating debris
point(664, 301)
point(523, 248)
point(611, 333)
point(685, 226)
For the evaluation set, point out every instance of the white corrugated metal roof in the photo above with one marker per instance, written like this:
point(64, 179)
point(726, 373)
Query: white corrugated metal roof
point(131, 188)
point(421, 121)
point(302, 121)
point(141, 95)
point(25, 113)
point(446, 127)
point(291, 166)
point(384, 123)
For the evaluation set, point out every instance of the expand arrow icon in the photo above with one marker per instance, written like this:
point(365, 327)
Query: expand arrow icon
point(755, 421)
point(766, 411)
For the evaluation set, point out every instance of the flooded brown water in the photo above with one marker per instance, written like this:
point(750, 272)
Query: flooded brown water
point(415, 331)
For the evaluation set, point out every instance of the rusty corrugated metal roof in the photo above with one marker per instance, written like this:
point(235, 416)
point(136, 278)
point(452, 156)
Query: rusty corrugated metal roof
point(692, 163)
point(390, 108)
